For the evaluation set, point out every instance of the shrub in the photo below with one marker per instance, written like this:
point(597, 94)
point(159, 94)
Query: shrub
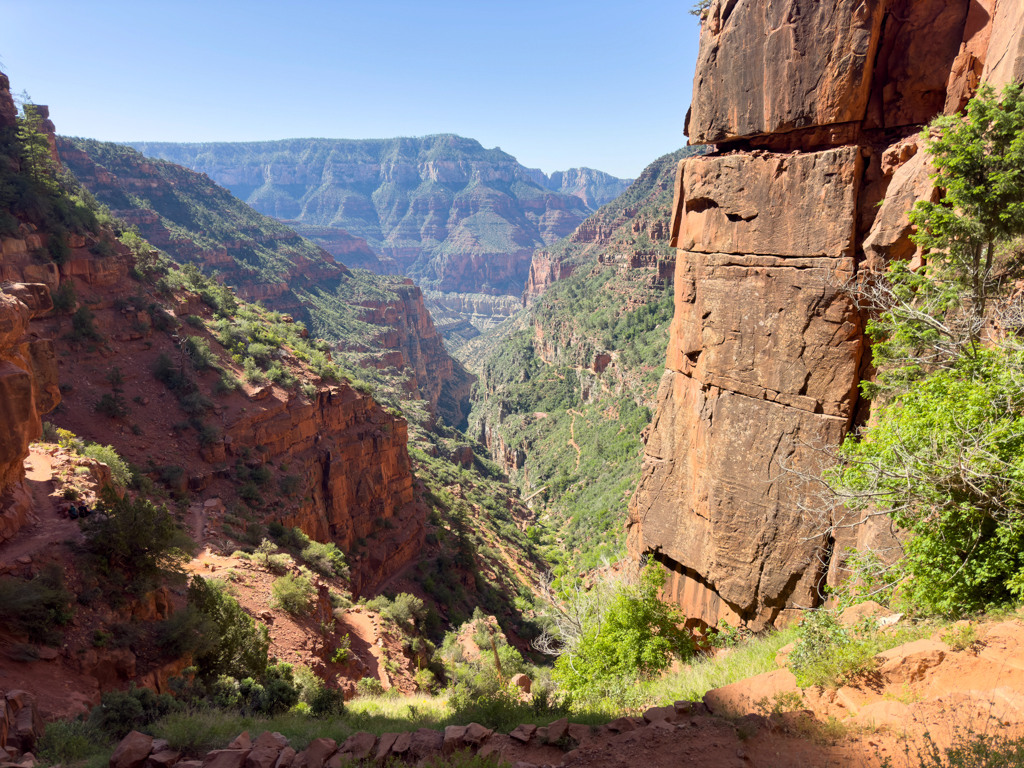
point(241, 645)
point(187, 631)
point(293, 594)
point(83, 326)
point(65, 298)
point(290, 485)
point(638, 637)
point(137, 539)
point(265, 557)
point(119, 470)
point(199, 352)
point(123, 711)
point(69, 741)
point(405, 609)
point(325, 559)
point(369, 686)
point(37, 607)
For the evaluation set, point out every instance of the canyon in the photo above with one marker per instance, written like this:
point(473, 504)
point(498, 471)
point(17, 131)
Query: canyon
point(443, 210)
point(809, 131)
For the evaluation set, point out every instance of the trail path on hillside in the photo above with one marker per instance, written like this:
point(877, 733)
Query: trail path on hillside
point(48, 527)
point(572, 436)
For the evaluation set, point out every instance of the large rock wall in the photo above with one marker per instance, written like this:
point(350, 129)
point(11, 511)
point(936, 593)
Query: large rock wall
point(814, 110)
point(353, 459)
point(28, 389)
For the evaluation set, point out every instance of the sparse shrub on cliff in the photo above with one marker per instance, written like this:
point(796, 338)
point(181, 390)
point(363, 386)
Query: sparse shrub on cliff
point(198, 350)
point(119, 469)
point(112, 406)
point(65, 297)
point(325, 558)
point(83, 326)
point(253, 374)
point(290, 485)
point(293, 594)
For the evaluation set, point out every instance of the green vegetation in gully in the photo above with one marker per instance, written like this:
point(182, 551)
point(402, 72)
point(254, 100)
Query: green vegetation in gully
point(578, 431)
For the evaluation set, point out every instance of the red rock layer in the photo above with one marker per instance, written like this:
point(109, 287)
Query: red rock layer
point(814, 128)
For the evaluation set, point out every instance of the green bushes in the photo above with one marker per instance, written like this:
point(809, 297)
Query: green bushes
point(293, 594)
point(137, 540)
point(69, 741)
point(637, 637)
point(404, 610)
point(123, 711)
point(265, 557)
point(119, 470)
point(38, 607)
point(241, 646)
point(325, 559)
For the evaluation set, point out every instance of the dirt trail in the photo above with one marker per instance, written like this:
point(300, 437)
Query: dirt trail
point(572, 437)
point(364, 638)
point(49, 526)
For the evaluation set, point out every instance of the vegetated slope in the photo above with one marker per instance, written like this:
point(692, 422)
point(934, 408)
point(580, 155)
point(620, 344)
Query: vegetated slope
point(380, 330)
point(451, 214)
point(372, 321)
point(566, 388)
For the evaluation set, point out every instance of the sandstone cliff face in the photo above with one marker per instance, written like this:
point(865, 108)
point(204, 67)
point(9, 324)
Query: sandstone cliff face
point(28, 389)
point(419, 350)
point(352, 457)
point(815, 124)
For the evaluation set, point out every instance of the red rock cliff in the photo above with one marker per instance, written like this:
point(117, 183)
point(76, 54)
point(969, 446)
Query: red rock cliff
point(814, 108)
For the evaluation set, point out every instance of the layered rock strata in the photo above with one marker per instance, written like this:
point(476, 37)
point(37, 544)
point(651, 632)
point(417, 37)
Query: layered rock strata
point(353, 459)
point(28, 389)
point(814, 110)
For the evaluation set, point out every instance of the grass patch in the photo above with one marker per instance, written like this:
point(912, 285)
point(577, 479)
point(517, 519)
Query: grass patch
point(754, 657)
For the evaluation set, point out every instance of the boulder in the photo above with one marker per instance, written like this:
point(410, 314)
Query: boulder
point(132, 751)
point(359, 745)
point(524, 733)
point(558, 730)
point(268, 739)
point(453, 738)
point(659, 713)
point(318, 751)
point(426, 741)
point(908, 663)
point(888, 715)
point(242, 741)
point(166, 758)
point(387, 740)
point(741, 698)
point(475, 734)
point(225, 758)
point(286, 758)
point(523, 682)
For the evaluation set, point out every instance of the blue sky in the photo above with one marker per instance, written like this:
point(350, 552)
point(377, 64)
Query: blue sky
point(557, 84)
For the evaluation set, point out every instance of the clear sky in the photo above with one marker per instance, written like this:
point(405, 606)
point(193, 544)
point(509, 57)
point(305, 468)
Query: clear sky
point(557, 83)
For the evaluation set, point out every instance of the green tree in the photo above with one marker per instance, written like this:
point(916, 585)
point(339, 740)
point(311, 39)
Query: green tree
point(36, 160)
point(138, 540)
point(637, 637)
point(928, 318)
point(241, 646)
point(943, 457)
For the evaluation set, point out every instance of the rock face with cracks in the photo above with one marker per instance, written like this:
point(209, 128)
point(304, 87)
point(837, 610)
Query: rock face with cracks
point(814, 109)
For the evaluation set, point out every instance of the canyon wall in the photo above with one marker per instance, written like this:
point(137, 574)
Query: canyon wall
point(444, 210)
point(593, 187)
point(813, 110)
